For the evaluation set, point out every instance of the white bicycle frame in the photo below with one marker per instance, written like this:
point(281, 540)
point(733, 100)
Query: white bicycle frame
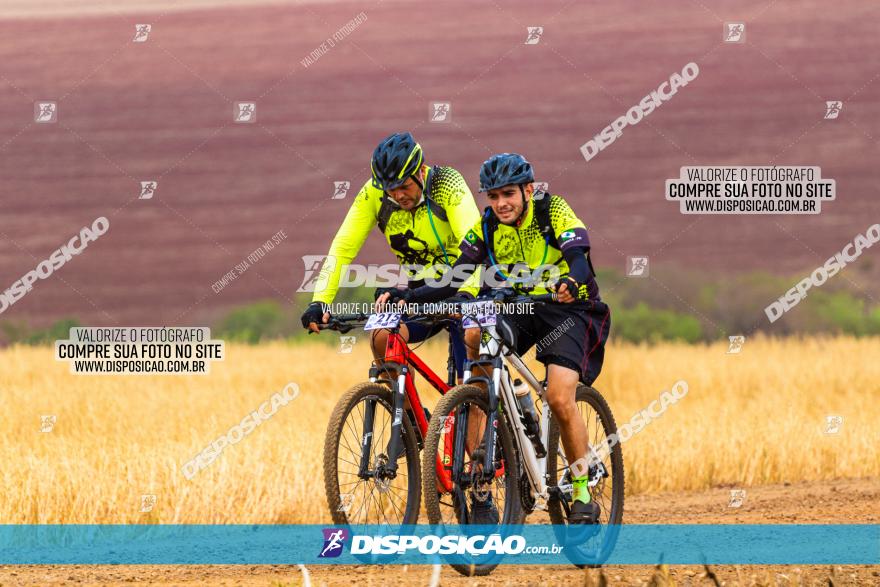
point(535, 467)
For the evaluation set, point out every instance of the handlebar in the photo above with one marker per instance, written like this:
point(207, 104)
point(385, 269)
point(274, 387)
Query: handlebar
point(342, 322)
point(430, 311)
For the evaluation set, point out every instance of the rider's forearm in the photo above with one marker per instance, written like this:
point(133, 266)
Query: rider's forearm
point(342, 252)
point(578, 268)
point(327, 284)
point(347, 243)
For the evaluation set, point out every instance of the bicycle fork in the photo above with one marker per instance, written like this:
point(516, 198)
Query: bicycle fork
point(388, 468)
point(489, 470)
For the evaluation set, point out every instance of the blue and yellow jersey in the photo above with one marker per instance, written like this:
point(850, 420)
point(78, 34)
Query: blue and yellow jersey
point(428, 235)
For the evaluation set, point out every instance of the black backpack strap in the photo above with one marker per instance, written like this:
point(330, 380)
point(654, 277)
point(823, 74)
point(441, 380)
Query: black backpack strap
point(386, 209)
point(436, 209)
point(489, 224)
point(541, 202)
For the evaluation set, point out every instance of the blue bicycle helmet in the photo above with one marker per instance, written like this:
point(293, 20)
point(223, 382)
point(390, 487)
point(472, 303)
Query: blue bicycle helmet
point(505, 169)
point(397, 158)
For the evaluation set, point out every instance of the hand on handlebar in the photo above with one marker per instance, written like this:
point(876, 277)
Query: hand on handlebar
point(313, 315)
point(567, 290)
point(389, 295)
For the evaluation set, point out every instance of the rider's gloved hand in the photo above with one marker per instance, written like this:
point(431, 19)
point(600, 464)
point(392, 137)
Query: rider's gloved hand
point(314, 315)
point(391, 295)
point(380, 291)
point(567, 289)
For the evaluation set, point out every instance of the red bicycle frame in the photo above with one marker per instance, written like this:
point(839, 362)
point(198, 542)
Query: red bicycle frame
point(397, 351)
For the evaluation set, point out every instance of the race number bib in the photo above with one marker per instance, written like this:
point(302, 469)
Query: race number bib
point(382, 320)
point(478, 314)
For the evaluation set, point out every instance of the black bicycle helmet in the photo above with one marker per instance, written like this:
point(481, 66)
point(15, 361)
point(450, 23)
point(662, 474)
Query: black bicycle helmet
point(505, 169)
point(397, 158)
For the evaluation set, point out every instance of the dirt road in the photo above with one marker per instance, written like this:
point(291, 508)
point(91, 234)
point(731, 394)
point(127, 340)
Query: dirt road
point(845, 501)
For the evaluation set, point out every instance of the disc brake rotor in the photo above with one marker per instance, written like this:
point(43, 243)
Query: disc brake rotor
point(383, 483)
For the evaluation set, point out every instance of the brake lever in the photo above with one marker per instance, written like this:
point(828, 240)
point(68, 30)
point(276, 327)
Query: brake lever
point(332, 324)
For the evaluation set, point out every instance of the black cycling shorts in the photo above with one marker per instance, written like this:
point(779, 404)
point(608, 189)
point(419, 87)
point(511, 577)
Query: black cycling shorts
point(570, 335)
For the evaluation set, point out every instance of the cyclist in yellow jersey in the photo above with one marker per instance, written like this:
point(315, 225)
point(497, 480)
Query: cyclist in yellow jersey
point(423, 212)
point(525, 228)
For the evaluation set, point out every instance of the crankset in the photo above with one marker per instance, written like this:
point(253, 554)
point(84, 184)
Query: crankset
point(525, 494)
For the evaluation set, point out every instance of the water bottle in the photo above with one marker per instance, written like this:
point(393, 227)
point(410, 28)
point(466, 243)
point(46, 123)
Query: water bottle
point(530, 416)
point(524, 397)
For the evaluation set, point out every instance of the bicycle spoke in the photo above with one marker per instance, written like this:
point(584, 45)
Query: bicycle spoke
point(353, 493)
point(347, 446)
point(349, 422)
point(382, 432)
point(393, 503)
point(355, 465)
point(382, 501)
point(366, 505)
point(357, 437)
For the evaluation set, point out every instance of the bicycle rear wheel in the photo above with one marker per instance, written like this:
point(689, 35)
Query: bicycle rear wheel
point(359, 488)
point(607, 492)
point(460, 503)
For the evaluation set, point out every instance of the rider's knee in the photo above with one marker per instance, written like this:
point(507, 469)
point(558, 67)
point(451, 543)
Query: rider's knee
point(378, 341)
point(560, 395)
point(558, 399)
point(472, 341)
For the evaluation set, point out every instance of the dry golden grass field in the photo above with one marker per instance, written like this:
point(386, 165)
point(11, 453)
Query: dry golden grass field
point(749, 419)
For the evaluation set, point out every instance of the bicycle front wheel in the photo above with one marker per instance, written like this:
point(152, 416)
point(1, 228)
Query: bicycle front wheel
point(454, 458)
point(360, 486)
